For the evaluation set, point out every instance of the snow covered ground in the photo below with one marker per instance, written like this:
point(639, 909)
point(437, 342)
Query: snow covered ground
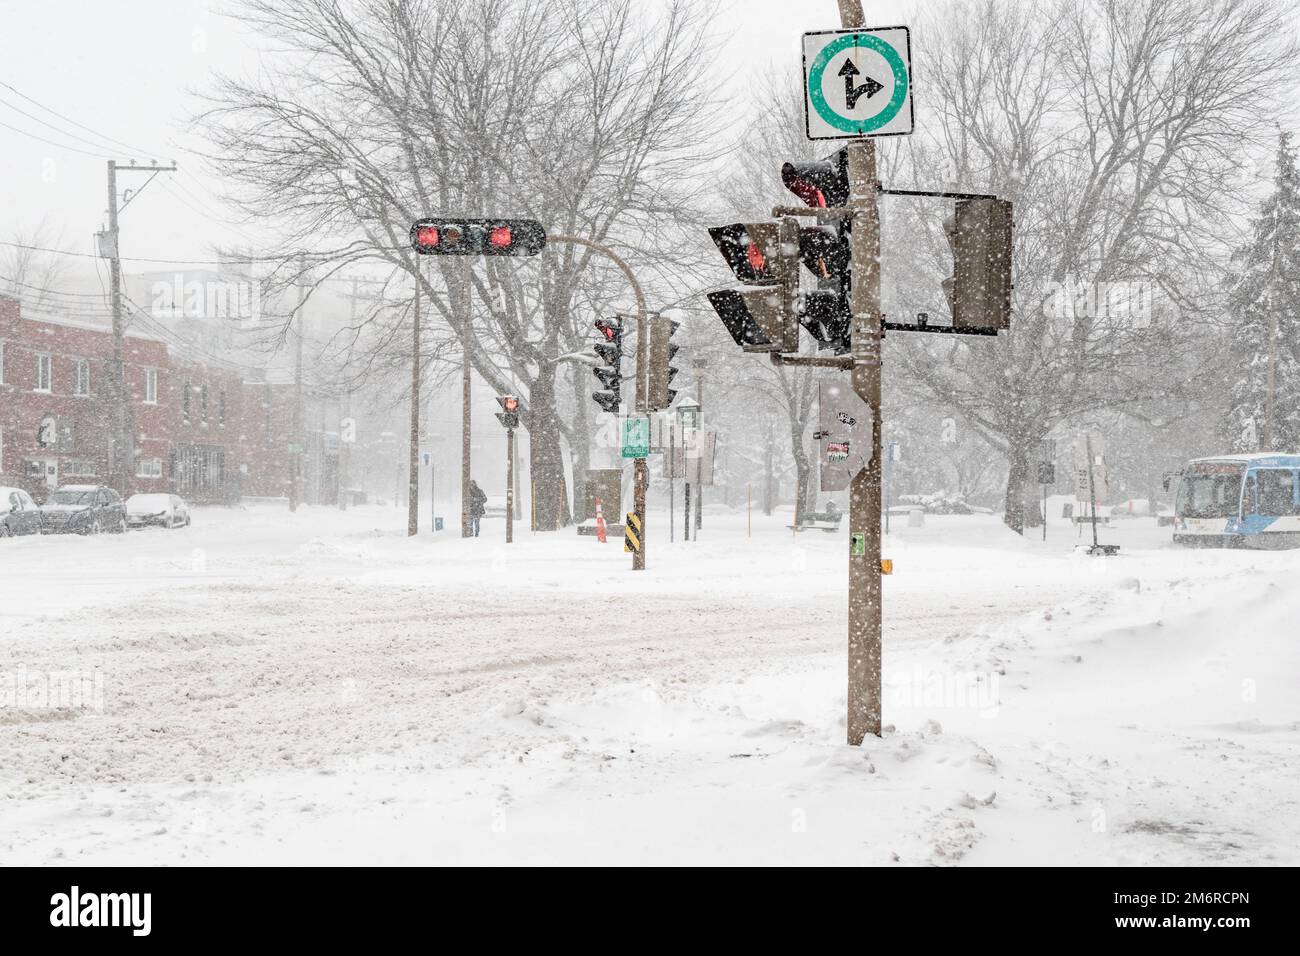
point(317, 687)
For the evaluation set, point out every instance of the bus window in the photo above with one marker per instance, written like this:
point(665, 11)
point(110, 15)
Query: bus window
point(1277, 492)
point(1210, 495)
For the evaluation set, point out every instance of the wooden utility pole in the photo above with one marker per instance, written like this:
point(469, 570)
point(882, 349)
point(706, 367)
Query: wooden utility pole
point(467, 332)
point(123, 430)
point(413, 449)
point(864, 651)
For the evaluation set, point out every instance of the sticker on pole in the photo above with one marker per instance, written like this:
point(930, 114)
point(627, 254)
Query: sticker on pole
point(857, 83)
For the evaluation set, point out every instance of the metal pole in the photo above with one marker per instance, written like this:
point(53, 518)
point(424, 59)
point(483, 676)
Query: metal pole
point(413, 449)
point(641, 471)
point(466, 333)
point(686, 522)
point(864, 646)
point(699, 487)
point(1092, 488)
point(672, 480)
point(1044, 512)
point(295, 456)
point(510, 485)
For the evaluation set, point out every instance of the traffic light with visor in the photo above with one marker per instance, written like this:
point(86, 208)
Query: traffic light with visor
point(826, 310)
point(760, 316)
point(662, 372)
point(609, 369)
point(509, 414)
point(979, 234)
point(477, 237)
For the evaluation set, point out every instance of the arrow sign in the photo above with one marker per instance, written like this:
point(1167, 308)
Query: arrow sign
point(851, 93)
point(872, 66)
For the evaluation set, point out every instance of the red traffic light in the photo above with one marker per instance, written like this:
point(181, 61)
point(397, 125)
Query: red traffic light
point(477, 237)
point(820, 184)
point(610, 328)
point(508, 403)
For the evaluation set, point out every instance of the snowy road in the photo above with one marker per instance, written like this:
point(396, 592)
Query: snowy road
point(317, 687)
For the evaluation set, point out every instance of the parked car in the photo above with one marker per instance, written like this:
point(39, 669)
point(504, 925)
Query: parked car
point(167, 511)
point(19, 514)
point(83, 509)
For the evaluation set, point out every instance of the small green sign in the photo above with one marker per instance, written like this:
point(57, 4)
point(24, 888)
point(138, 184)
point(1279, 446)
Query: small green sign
point(858, 545)
point(295, 448)
point(636, 437)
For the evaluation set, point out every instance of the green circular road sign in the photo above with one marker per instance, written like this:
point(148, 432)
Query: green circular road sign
point(828, 113)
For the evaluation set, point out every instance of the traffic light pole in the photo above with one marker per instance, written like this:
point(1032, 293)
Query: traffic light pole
point(510, 485)
point(465, 397)
point(640, 471)
point(864, 652)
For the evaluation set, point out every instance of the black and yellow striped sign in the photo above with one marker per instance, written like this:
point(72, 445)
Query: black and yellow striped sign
point(632, 532)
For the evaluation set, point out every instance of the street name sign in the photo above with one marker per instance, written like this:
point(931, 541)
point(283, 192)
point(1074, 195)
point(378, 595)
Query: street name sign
point(857, 83)
point(636, 437)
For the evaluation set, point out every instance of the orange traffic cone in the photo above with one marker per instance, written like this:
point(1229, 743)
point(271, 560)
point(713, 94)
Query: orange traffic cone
point(600, 523)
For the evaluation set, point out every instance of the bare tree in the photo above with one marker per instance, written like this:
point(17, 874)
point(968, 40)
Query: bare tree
point(579, 113)
point(1119, 130)
point(29, 273)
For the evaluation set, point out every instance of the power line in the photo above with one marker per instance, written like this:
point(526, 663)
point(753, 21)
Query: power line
point(84, 152)
point(58, 129)
point(117, 142)
point(233, 260)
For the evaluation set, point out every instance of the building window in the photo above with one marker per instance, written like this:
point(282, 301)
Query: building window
point(148, 468)
point(2, 363)
point(81, 377)
point(203, 401)
point(44, 377)
point(151, 386)
point(221, 406)
point(80, 468)
point(185, 401)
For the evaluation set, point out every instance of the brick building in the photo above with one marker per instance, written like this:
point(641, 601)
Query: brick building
point(209, 431)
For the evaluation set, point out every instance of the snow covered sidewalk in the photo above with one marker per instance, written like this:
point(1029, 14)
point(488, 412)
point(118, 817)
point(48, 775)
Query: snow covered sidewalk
point(329, 691)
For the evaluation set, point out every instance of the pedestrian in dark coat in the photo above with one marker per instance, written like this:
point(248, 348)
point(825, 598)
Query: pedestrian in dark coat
point(477, 505)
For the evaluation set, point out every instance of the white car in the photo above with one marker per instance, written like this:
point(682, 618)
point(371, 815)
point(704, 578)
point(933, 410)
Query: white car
point(18, 513)
point(169, 511)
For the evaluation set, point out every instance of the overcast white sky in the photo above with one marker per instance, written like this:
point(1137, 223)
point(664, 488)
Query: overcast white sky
point(128, 69)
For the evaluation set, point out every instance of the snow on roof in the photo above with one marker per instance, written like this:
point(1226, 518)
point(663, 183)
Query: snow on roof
point(1248, 456)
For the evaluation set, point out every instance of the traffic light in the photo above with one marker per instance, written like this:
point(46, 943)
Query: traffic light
point(822, 183)
point(979, 289)
point(610, 369)
point(825, 311)
point(509, 414)
point(662, 372)
point(760, 317)
point(477, 237)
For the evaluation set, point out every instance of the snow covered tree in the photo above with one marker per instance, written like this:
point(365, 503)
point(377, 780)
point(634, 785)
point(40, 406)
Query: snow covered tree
point(1119, 131)
point(1264, 311)
point(586, 115)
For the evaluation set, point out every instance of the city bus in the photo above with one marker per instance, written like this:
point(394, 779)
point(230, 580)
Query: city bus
point(1238, 501)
